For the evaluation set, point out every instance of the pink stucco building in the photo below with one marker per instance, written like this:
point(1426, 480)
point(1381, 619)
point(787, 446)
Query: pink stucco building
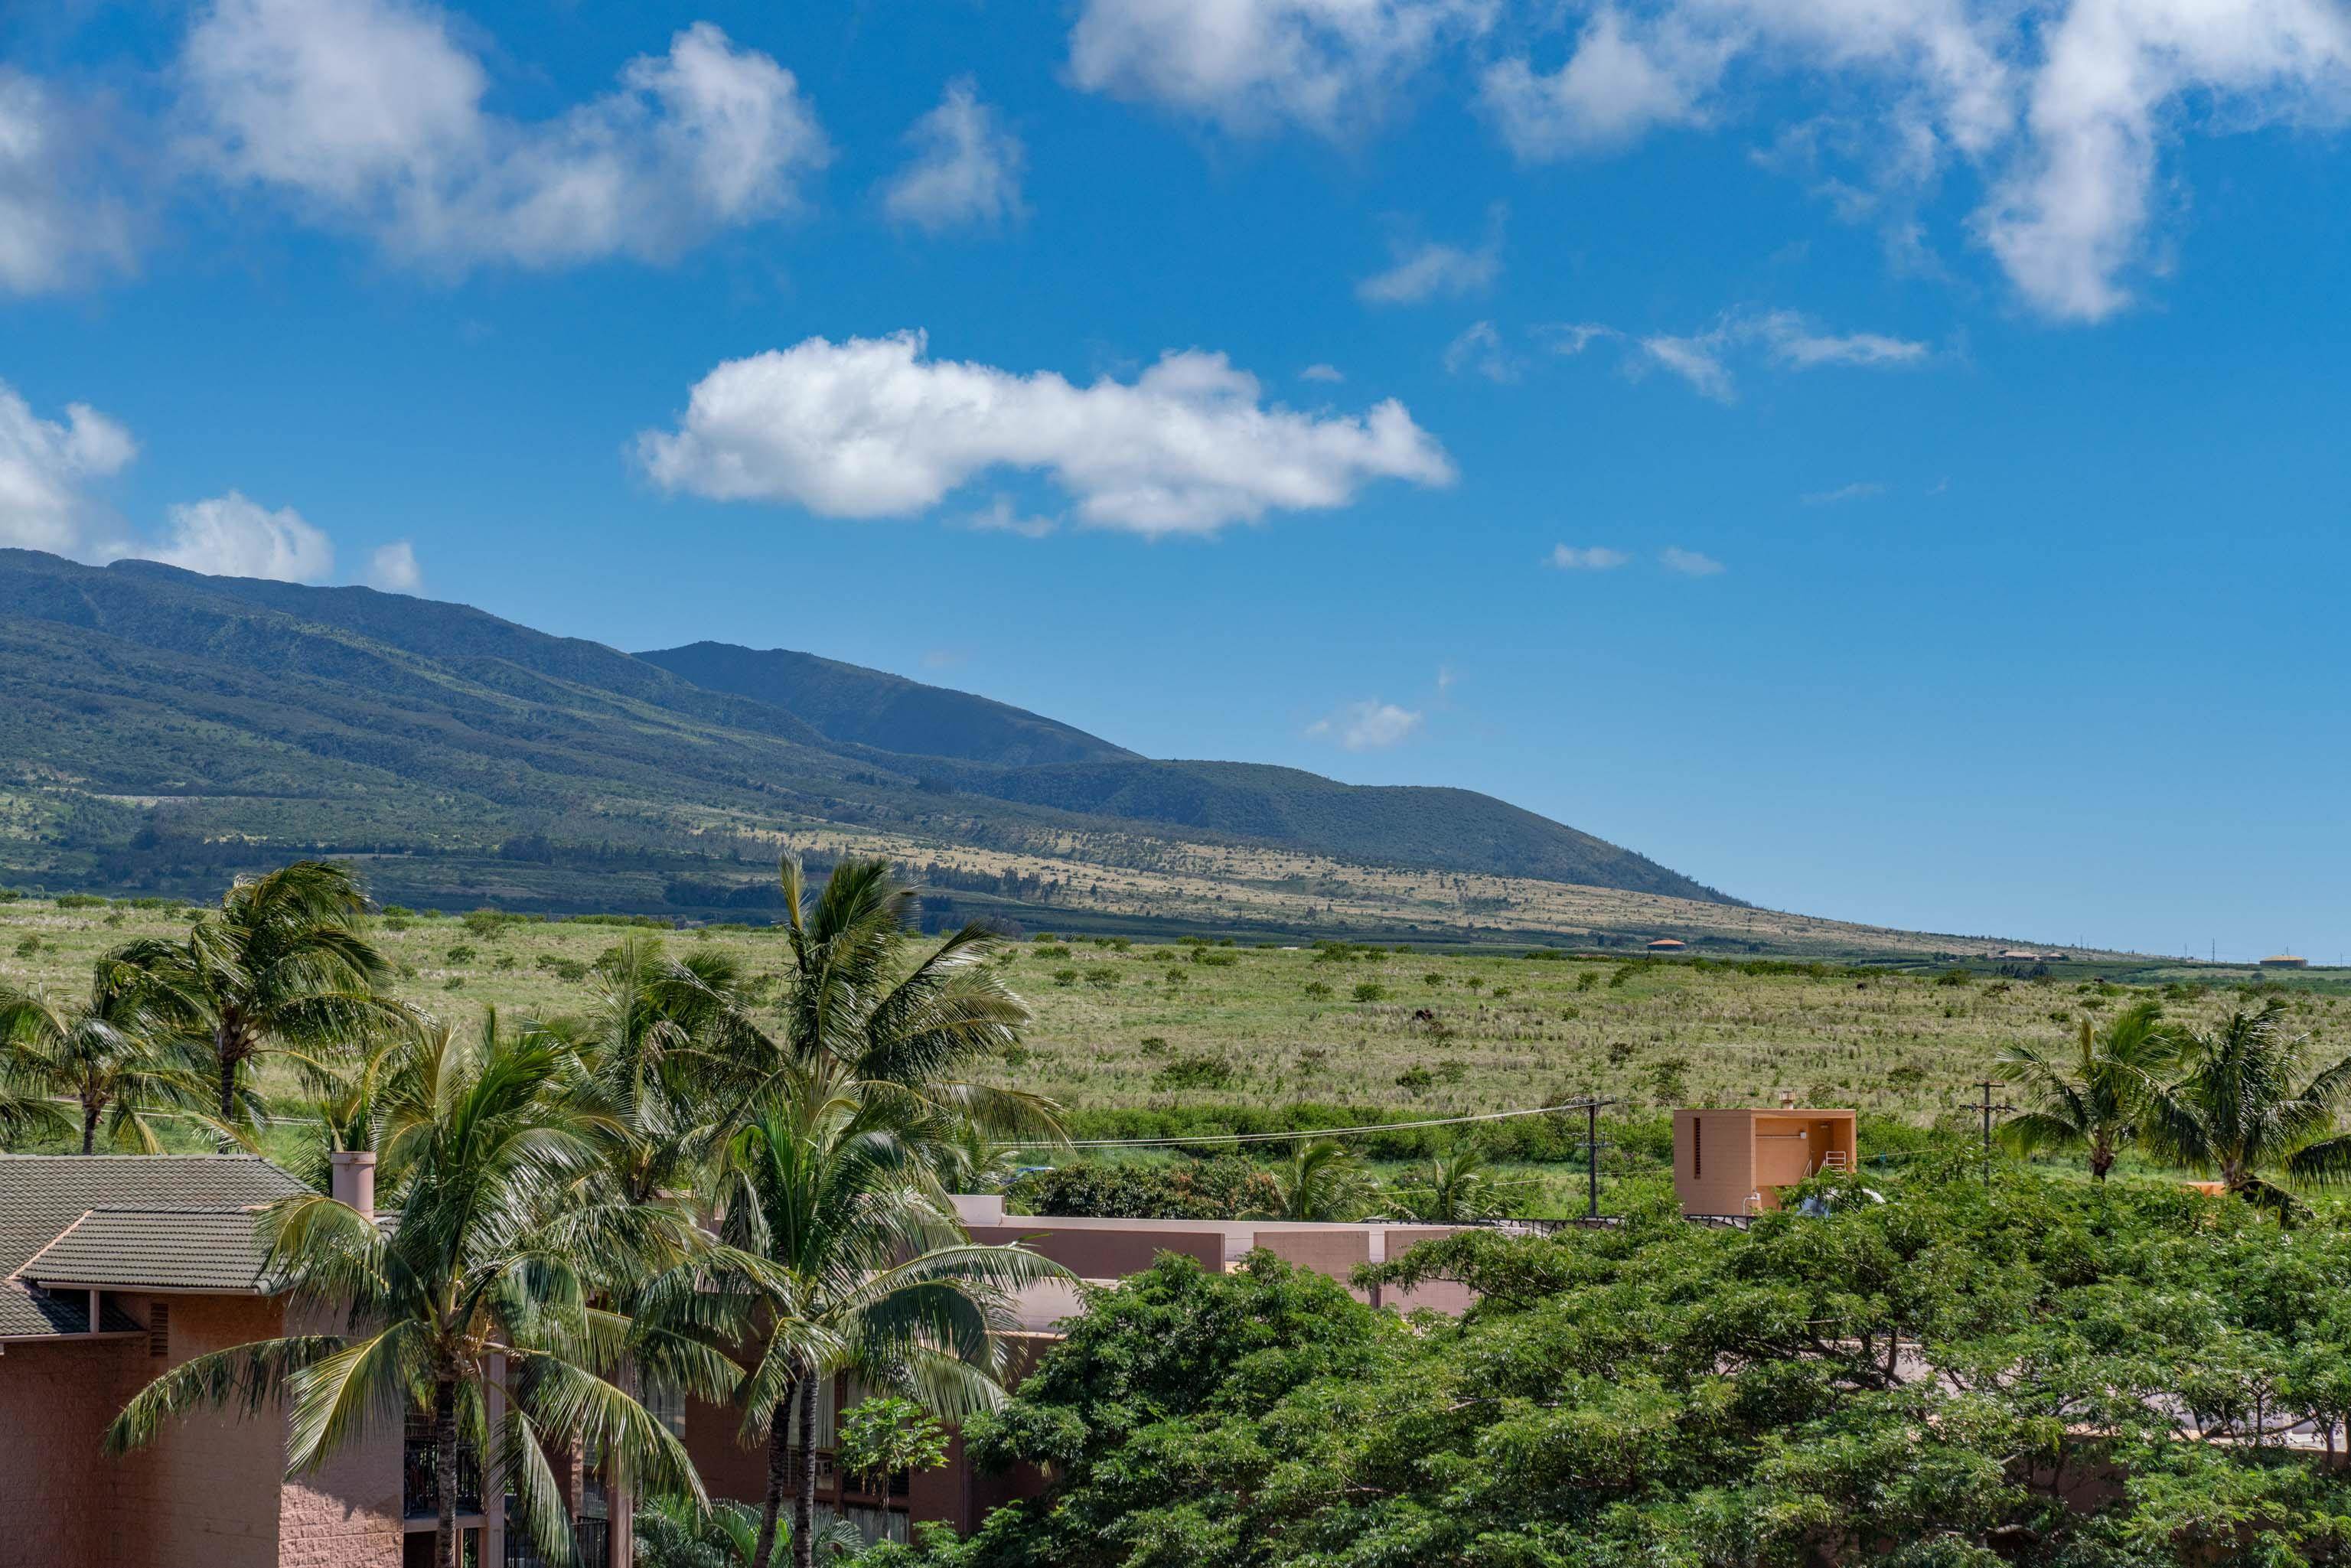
point(114, 1268)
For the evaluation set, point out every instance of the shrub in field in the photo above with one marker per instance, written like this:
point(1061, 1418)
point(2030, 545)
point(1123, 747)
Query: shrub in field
point(1416, 1078)
point(1065, 977)
point(1317, 991)
point(1370, 991)
point(1194, 1073)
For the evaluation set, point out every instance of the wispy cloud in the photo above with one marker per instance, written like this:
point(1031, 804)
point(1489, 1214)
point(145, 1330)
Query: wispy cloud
point(1322, 373)
point(1431, 270)
point(393, 569)
point(1001, 517)
point(1860, 490)
point(1689, 562)
point(1367, 725)
point(966, 170)
point(1590, 558)
point(1698, 360)
point(1781, 337)
point(1479, 348)
point(1572, 338)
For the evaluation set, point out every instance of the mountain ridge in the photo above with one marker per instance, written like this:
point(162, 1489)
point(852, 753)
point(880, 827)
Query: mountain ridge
point(166, 726)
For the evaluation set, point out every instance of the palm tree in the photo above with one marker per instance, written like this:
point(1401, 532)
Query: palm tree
point(2253, 1100)
point(664, 1042)
point(840, 1254)
point(121, 1053)
point(491, 1275)
point(284, 966)
point(851, 999)
point(1324, 1181)
point(2093, 1103)
point(1456, 1187)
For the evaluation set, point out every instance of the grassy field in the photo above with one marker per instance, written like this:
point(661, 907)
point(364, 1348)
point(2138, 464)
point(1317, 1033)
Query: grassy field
point(1173, 1027)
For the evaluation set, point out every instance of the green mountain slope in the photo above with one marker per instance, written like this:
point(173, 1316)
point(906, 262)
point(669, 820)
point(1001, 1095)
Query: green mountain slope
point(162, 729)
point(889, 713)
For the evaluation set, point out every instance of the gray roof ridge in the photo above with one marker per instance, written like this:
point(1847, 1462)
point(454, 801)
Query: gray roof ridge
point(52, 1241)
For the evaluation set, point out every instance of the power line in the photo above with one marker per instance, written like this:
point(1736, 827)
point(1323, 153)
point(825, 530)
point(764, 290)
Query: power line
point(1592, 1105)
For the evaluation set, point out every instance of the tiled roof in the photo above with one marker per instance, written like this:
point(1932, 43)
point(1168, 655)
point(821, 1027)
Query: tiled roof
point(154, 1249)
point(211, 1197)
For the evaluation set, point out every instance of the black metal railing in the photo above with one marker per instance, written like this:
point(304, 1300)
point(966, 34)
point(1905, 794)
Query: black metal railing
point(419, 1488)
point(595, 1539)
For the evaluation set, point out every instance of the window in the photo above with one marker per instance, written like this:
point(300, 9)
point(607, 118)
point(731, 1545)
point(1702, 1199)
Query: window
point(666, 1404)
point(159, 1328)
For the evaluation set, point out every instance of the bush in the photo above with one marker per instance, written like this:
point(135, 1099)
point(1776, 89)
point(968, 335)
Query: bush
point(1370, 991)
point(1194, 1073)
point(80, 900)
point(1215, 957)
point(1416, 1078)
point(1054, 950)
point(1317, 991)
point(563, 968)
point(1103, 977)
point(462, 954)
point(1065, 977)
point(1153, 1045)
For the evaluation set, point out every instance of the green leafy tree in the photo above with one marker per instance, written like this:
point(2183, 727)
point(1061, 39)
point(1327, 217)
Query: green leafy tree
point(121, 1053)
point(673, 1534)
point(886, 1435)
point(2254, 1101)
point(284, 966)
point(494, 1271)
point(2093, 1102)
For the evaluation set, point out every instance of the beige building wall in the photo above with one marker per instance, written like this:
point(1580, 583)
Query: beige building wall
point(1335, 1251)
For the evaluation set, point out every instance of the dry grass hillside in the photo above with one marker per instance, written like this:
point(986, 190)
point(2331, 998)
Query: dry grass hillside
point(1172, 1025)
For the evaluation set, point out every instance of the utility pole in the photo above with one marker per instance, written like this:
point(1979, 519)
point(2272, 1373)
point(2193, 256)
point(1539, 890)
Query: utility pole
point(1591, 1155)
point(1990, 1110)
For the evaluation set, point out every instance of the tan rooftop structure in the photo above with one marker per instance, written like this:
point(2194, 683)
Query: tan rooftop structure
point(1668, 944)
point(2284, 961)
point(1734, 1162)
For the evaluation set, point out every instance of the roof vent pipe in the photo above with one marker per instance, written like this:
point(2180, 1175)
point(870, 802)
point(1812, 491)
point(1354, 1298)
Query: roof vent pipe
point(353, 1179)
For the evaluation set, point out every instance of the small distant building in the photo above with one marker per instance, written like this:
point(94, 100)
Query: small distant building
point(2018, 955)
point(1668, 944)
point(1736, 1162)
point(2284, 961)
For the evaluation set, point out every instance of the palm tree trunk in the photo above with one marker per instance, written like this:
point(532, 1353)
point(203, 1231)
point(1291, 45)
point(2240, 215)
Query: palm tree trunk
point(445, 1472)
point(90, 1126)
point(225, 1047)
point(779, 1436)
point(804, 1505)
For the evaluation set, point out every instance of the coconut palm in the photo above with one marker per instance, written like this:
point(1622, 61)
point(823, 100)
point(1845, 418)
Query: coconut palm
point(1322, 1181)
point(666, 1042)
point(285, 965)
point(121, 1053)
point(676, 1535)
point(2094, 1101)
point(841, 1253)
point(2254, 1100)
point(492, 1273)
point(1456, 1187)
point(852, 999)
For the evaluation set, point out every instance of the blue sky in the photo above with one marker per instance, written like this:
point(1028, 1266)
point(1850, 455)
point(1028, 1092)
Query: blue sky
point(1882, 457)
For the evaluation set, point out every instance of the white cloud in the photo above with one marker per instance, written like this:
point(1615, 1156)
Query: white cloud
point(2063, 110)
point(1860, 490)
point(60, 228)
point(1368, 725)
point(393, 569)
point(872, 427)
point(231, 536)
point(1479, 348)
point(1430, 270)
point(2119, 78)
point(1446, 678)
point(1689, 562)
point(1614, 88)
point(1250, 65)
point(1792, 342)
point(1590, 558)
point(369, 113)
point(1322, 373)
point(46, 468)
point(965, 168)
